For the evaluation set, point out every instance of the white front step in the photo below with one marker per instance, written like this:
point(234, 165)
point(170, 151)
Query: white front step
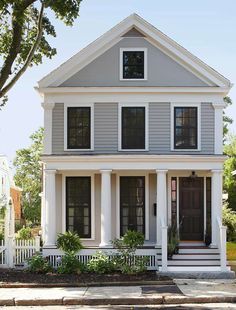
point(196, 256)
point(193, 262)
point(194, 268)
point(192, 244)
point(198, 251)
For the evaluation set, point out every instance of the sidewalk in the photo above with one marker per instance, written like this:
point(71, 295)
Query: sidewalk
point(185, 291)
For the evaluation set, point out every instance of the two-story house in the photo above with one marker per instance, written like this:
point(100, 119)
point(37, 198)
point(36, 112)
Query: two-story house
point(133, 140)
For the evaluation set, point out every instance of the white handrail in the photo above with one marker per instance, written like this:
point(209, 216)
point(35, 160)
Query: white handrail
point(164, 229)
point(222, 243)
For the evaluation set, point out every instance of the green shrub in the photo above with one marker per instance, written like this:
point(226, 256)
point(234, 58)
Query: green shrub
point(229, 220)
point(101, 263)
point(70, 264)
point(1, 236)
point(126, 260)
point(24, 233)
point(39, 264)
point(69, 242)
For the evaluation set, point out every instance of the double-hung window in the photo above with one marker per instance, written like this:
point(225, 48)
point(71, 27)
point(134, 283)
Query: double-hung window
point(78, 128)
point(133, 63)
point(133, 127)
point(186, 127)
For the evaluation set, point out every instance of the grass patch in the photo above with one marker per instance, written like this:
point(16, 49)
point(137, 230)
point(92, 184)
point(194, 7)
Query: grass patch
point(231, 251)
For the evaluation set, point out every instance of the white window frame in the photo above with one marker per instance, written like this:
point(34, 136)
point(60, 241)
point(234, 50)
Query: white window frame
point(186, 105)
point(132, 174)
point(133, 49)
point(133, 105)
point(79, 105)
point(76, 174)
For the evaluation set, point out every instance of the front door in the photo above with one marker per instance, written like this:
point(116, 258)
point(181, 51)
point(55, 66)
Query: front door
point(191, 208)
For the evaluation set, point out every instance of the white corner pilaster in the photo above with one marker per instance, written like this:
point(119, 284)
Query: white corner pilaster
point(48, 107)
point(105, 208)
point(50, 209)
point(216, 205)
point(161, 201)
point(218, 107)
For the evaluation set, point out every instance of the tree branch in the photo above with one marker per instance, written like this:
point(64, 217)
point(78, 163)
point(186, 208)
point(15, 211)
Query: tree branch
point(29, 57)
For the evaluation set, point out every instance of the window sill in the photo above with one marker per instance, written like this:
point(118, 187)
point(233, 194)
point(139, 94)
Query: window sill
point(185, 150)
point(145, 79)
point(78, 150)
point(133, 150)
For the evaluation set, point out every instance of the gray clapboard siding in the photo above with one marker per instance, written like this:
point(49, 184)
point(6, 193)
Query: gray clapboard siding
point(106, 127)
point(106, 130)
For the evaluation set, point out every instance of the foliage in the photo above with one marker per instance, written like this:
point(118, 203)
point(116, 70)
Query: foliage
point(39, 264)
point(231, 251)
point(28, 176)
point(24, 233)
point(69, 242)
point(173, 239)
point(101, 263)
point(1, 236)
point(70, 264)
point(229, 166)
point(18, 226)
point(125, 260)
point(229, 220)
point(226, 119)
point(25, 28)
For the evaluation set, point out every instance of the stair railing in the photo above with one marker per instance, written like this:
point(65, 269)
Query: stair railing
point(164, 242)
point(222, 244)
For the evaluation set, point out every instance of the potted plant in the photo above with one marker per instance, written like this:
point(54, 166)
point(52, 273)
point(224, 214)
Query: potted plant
point(173, 240)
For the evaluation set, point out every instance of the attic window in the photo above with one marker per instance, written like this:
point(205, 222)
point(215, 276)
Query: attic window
point(133, 64)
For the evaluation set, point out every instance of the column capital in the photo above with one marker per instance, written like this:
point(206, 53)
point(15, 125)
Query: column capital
point(50, 171)
point(161, 171)
point(108, 171)
point(220, 171)
point(218, 105)
point(48, 105)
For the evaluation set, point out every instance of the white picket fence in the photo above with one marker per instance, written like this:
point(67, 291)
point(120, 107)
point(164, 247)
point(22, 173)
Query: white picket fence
point(15, 252)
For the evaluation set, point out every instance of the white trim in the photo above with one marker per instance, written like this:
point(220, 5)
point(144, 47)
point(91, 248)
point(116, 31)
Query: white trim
point(47, 138)
point(132, 173)
point(133, 49)
point(218, 111)
point(109, 38)
point(184, 104)
point(205, 214)
point(79, 174)
point(131, 89)
point(81, 105)
point(133, 104)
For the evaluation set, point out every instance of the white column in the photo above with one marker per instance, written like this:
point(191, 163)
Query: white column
point(218, 127)
point(216, 205)
point(50, 209)
point(105, 208)
point(161, 214)
point(47, 143)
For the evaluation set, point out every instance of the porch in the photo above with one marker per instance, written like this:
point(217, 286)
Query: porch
point(189, 197)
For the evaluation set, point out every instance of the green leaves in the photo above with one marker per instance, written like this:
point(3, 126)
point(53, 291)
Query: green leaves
point(28, 176)
point(69, 242)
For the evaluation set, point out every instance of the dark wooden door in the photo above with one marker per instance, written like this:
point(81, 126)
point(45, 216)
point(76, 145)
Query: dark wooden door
point(191, 208)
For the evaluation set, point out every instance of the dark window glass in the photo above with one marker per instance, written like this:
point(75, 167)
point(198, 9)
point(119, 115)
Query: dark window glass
point(78, 205)
point(132, 204)
point(185, 120)
point(208, 206)
point(174, 201)
point(133, 65)
point(133, 128)
point(78, 128)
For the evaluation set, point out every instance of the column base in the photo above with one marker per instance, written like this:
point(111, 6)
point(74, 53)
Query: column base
point(105, 245)
point(49, 246)
point(157, 246)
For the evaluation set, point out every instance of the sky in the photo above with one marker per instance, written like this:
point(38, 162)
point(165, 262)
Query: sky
point(207, 28)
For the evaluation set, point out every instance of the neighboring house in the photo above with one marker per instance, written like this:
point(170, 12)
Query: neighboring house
point(15, 193)
point(133, 140)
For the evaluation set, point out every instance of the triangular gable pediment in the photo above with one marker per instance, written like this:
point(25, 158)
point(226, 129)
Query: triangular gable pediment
point(134, 26)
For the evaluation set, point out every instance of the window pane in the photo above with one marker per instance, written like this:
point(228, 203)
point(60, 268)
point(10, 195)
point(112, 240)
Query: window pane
point(132, 204)
point(78, 128)
point(78, 195)
point(185, 132)
point(133, 128)
point(133, 65)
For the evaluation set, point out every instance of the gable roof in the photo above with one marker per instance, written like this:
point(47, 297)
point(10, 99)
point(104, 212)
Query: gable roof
point(114, 35)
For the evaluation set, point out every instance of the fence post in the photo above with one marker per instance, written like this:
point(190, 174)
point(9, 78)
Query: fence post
point(37, 243)
point(11, 252)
